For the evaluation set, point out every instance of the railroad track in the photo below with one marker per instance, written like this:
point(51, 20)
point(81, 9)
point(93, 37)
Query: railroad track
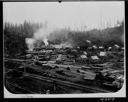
point(66, 83)
point(17, 86)
point(61, 82)
point(22, 60)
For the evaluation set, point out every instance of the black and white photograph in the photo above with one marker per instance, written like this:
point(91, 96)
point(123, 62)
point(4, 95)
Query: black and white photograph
point(68, 49)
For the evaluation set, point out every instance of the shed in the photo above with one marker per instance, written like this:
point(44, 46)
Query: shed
point(83, 56)
point(94, 57)
point(102, 53)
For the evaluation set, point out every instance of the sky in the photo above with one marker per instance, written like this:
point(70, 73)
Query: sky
point(75, 15)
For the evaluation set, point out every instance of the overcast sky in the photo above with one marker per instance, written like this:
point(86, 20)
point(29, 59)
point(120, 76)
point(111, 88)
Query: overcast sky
point(72, 14)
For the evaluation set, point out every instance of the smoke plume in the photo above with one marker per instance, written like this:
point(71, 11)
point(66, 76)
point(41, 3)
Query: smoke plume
point(42, 34)
point(30, 42)
point(39, 37)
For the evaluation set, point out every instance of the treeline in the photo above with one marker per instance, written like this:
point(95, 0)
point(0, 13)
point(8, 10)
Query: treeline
point(58, 36)
point(106, 37)
point(14, 37)
point(15, 34)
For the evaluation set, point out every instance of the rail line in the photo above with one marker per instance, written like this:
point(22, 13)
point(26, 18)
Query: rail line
point(17, 86)
point(66, 83)
point(22, 60)
point(61, 82)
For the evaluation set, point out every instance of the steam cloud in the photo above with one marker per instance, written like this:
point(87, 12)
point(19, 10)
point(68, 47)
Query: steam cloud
point(30, 43)
point(40, 35)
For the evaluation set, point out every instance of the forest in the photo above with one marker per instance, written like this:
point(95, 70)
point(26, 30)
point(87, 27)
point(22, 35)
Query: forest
point(15, 35)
